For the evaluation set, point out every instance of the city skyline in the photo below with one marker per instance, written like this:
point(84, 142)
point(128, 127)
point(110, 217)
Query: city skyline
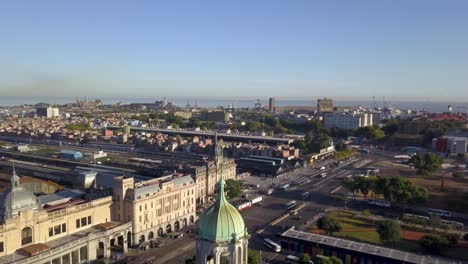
point(401, 50)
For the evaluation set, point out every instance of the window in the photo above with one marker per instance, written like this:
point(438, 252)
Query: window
point(89, 220)
point(140, 218)
point(1, 247)
point(140, 208)
point(26, 235)
point(57, 230)
point(77, 223)
point(83, 254)
point(64, 228)
point(51, 231)
point(83, 221)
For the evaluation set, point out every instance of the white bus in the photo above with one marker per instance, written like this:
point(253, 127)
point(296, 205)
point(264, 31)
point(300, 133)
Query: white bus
point(439, 212)
point(290, 205)
point(292, 259)
point(269, 243)
point(420, 217)
point(284, 187)
point(305, 195)
point(457, 225)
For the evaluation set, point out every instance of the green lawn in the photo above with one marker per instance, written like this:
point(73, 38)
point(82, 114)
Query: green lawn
point(357, 227)
point(339, 155)
point(44, 152)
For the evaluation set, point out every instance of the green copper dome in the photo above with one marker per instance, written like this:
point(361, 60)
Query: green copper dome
point(221, 222)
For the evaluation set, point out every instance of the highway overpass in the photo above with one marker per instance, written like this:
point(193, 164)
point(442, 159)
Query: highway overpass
point(224, 136)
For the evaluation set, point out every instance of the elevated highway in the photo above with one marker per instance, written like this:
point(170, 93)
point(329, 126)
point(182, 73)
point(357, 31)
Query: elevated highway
point(224, 136)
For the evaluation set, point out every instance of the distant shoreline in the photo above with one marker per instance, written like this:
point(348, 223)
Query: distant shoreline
point(437, 107)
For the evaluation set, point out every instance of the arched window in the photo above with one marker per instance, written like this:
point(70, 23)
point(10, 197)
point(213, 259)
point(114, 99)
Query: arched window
point(26, 235)
point(225, 258)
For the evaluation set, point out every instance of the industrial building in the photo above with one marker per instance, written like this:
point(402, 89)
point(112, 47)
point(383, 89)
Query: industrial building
point(452, 142)
point(267, 166)
point(215, 116)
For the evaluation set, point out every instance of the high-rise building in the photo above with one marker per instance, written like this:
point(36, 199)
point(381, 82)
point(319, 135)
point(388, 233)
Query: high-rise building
point(347, 120)
point(324, 105)
point(48, 112)
point(271, 105)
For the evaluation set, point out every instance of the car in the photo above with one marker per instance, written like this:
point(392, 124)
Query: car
point(293, 213)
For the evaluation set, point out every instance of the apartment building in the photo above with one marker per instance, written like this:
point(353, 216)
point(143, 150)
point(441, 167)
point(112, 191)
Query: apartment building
point(347, 120)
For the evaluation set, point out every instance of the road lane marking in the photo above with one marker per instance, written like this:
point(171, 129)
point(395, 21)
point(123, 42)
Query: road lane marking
point(336, 189)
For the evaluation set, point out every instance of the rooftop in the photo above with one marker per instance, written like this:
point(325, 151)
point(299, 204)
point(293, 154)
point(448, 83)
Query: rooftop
point(58, 244)
point(367, 248)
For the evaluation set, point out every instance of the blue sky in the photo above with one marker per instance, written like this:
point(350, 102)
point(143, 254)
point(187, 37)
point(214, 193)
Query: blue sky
point(401, 49)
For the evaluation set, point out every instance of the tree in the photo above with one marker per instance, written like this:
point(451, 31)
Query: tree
point(373, 133)
point(352, 186)
point(434, 221)
point(365, 185)
point(341, 146)
point(233, 188)
point(381, 186)
point(389, 231)
point(253, 257)
point(432, 161)
point(461, 156)
point(329, 224)
point(331, 260)
point(452, 238)
point(433, 243)
point(459, 175)
point(428, 163)
point(304, 259)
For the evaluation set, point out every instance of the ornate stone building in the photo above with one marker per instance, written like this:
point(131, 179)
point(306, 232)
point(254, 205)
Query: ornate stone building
point(57, 230)
point(207, 173)
point(155, 207)
point(222, 235)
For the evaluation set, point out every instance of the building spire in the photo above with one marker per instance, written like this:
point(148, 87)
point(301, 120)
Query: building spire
point(14, 178)
point(219, 157)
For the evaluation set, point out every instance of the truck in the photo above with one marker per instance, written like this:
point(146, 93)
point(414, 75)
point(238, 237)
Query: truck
point(243, 206)
point(269, 191)
point(257, 200)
